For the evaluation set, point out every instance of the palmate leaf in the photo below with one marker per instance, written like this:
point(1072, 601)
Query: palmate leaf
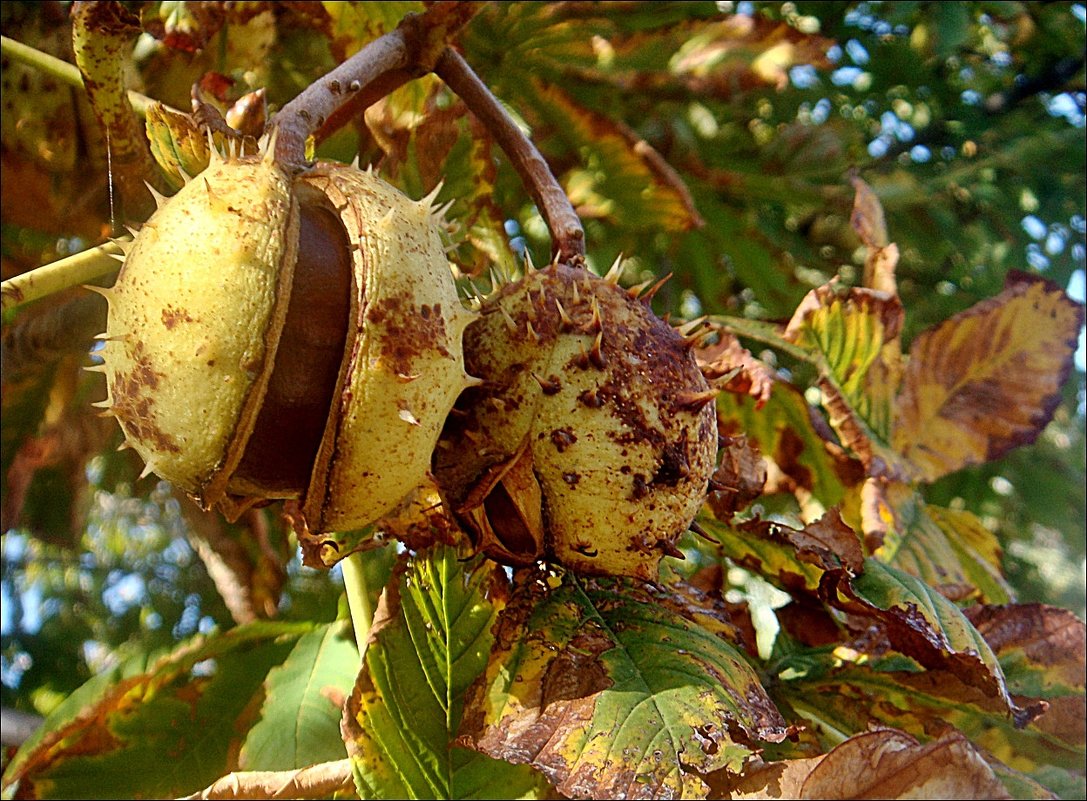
point(987, 380)
point(429, 641)
point(611, 693)
point(155, 730)
point(303, 698)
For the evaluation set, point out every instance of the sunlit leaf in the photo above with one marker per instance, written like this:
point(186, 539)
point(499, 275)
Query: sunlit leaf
point(609, 693)
point(300, 718)
point(855, 341)
point(988, 379)
point(155, 730)
point(429, 641)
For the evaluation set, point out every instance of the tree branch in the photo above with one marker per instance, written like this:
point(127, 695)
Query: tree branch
point(70, 271)
point(568, 237)
point(101, 37)
point(377, 69)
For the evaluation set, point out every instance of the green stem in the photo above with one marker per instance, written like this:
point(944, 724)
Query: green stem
point(358, 599)
point(61, 70)
point(84, 266)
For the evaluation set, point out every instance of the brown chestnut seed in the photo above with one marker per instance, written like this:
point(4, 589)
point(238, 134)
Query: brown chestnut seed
point(583, 431)
point(280, 453)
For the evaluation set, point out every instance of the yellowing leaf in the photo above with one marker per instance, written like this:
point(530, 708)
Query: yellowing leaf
point(949, 550)
point(854, 341)
point(987, 380)
point(613, 694)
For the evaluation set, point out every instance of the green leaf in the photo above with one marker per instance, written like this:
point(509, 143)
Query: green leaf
point(300, 719)
point(611, 693)
point(158, 732)
point(924, 625)
point(429, 641)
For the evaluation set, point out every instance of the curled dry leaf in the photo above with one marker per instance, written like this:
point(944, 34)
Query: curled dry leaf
point(1042, 648)
point(739, 478)
point(887, 763)
point(881, 257)
point(729, 365)
point(924, 625)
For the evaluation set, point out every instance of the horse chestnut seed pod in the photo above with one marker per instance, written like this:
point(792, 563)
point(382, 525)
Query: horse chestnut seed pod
point(593, 437)
point(281, 334)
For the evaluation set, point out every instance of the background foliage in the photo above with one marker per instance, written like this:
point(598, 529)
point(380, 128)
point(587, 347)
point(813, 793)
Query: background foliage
point(721, 143)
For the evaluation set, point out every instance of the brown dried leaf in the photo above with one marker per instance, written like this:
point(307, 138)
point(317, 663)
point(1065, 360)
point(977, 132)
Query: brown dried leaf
point(887, 763)
point(987, 380)
point(727, 356)
point(324, 780)
point(1042, 651)
point(882, 254)
point(739, 478)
